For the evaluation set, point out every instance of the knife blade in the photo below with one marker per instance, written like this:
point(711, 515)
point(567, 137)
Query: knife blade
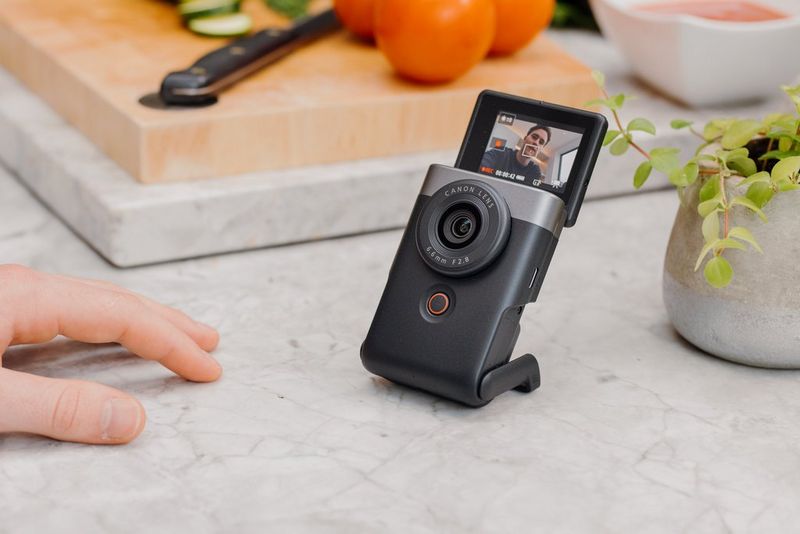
point(200, 84)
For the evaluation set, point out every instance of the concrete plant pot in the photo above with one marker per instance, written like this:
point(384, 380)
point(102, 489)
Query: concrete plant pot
point(756, 319)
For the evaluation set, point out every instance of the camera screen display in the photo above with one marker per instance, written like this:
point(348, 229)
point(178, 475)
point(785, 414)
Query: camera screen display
point(536, 144)
point(530, 151)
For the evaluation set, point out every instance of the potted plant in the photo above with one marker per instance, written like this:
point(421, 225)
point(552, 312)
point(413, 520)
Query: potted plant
point(737, 222)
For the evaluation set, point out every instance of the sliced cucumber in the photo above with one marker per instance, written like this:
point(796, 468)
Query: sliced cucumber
point(229, 25)
point(194, 9)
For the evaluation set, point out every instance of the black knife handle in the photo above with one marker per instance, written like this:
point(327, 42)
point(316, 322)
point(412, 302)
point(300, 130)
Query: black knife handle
point(224, 66)
point(199, 83)
point(243, 51)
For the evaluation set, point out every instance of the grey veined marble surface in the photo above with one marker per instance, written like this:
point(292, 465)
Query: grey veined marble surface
point(632, 431)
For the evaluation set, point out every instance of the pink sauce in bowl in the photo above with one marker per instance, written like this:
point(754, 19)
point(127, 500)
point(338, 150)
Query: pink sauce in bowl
point(720, 10)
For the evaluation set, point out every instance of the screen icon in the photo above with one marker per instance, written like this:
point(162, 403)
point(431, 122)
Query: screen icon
point(506, 118)
point(498, 143)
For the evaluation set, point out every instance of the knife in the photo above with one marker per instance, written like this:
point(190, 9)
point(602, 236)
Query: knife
point(200, 84)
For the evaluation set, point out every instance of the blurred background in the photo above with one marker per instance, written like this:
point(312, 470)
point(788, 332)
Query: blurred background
point(180, 129)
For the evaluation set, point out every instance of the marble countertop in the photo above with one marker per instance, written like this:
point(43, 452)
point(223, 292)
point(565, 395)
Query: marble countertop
point(633, 430)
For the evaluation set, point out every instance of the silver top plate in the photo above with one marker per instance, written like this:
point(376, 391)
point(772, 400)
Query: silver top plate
point(526, 203)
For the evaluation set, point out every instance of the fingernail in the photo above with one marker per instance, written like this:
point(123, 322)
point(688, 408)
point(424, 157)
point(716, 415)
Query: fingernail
point(207, 356)
point(215, 361)
point(216, 364)
point(120, 419)
point(208, 326)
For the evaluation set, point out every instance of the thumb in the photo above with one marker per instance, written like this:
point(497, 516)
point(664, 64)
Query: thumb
point(68, 410)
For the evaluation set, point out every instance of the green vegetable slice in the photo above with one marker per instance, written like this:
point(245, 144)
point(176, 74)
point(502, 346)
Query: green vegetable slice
point(194, 9)
point(222, 25)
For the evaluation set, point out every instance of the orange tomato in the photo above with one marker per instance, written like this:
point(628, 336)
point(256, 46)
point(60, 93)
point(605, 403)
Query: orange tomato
point(518, 22)
point(434, 40)
point(357, 16)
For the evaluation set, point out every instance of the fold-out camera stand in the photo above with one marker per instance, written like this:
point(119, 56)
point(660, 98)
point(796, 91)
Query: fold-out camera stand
point(521, 374)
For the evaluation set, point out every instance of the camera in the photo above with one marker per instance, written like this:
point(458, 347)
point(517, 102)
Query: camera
point(477, 247)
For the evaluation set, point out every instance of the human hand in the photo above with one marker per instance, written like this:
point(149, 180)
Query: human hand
point(36, 307)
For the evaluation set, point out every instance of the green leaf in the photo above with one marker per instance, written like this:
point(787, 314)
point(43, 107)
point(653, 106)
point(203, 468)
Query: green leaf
point(642, 173)
point(678, 124)
point(289, 8)
point(642, 125)
point(706, 249)
point(663, 151)
point(742, 233)
point(781, 134)
point(678, 178)
point(786, 168)
point(716, 128)
point(792, 90)
point(744, 166)
point(692, 170)
point(760, 193)
point(685, 176)
point(788, 186)
point(785, 144)
point(711, 227)
point(749, 204)
point(610, 136)
point(759, 177)
point(776, 119)
point(794, 94)
point(617, 101)
point(708, 206)
point(718, 272)
point(619, 147)
point(739, 133)
point(729, 243)
point(596, 102)
point(786, 123)
point(736, 153)
point(779, 154)
point(710, 189)
point(599, 78)
point(704, 157)
point(665, 160)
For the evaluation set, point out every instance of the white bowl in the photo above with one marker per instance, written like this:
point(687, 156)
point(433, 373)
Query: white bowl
point(702, 61)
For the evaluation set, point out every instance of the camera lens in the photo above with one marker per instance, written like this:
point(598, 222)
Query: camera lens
point(464, 225)
point(460, 225)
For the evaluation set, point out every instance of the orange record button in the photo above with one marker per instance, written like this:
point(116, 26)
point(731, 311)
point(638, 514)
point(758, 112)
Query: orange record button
point(438, 303)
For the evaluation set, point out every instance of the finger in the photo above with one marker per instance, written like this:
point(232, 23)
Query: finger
point(204, 335)
point(50, 306)
point(69, 410)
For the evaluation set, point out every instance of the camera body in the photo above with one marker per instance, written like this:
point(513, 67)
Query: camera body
point(474, 253)
point(448, 349)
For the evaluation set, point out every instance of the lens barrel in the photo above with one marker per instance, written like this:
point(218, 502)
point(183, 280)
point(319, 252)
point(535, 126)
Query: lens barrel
point(463, 227)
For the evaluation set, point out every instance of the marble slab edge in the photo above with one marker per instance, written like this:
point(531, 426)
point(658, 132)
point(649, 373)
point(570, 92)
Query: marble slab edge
point(132, 224)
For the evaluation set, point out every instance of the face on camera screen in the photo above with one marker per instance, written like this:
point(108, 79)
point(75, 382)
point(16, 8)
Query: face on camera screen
point(535, 153)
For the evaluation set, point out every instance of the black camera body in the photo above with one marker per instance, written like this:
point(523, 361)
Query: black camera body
point(475, 252)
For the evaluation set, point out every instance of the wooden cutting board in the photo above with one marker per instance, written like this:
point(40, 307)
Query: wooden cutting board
point(334, 100)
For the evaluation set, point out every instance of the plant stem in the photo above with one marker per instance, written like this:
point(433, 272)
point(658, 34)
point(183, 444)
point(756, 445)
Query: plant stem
point(725, 230)
point(702, 146)
point(794, 144)
point(723, 171)
point(629, 137)
point(698, 134)
point(769, 148)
